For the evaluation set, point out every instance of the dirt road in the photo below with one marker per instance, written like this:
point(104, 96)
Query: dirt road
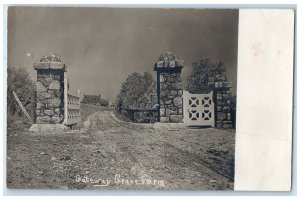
point(122, 155)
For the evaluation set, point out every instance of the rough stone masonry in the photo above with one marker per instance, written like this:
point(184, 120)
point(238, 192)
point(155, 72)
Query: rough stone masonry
point(170, 87)
point(223, 103)
point(50, 90)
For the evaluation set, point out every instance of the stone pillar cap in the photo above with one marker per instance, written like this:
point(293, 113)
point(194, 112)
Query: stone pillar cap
point(168, 61)
point(50, 61)
point(50, 65)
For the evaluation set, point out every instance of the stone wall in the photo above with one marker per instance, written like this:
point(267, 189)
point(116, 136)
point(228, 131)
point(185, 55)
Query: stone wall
point(49, 109)
point(171, 97)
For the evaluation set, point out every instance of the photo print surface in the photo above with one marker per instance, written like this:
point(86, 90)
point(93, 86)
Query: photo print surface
point(121, 98)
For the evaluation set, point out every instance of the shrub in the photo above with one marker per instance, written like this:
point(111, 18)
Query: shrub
point(137, 92)
point(204, 72)
point(18, 80)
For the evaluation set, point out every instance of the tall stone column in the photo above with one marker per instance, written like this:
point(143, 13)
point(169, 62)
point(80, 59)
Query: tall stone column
point(50, 90)
point(169, 88)
point(223, 104)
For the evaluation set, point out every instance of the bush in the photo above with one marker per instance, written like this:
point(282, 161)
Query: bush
point(137, 92)
point(204, 73)
point(18, 80)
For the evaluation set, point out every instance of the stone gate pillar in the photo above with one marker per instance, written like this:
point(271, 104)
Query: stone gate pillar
point(223, 104)
point(50, 90)
point(169, 88)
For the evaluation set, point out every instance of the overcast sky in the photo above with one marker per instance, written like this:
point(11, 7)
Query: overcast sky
point(102, 46)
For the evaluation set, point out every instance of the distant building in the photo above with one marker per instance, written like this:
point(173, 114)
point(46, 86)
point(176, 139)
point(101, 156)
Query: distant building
point(94, 100)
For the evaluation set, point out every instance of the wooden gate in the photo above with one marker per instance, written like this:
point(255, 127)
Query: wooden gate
point(72, 113)
point(198, 109)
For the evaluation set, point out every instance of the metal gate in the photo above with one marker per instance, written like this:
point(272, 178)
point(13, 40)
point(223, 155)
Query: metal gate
point(198, 109)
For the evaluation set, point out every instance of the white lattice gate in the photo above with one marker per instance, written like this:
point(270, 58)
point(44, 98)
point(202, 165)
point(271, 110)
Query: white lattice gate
point(198, 109)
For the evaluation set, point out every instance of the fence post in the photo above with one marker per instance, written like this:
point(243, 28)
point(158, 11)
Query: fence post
point(158, 94)
point(79, 103)
point(32, 106)
point(65, 98)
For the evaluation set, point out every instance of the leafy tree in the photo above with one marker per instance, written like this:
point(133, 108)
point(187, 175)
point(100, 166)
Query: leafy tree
point(18, 80)
point(138, 91)
point(204, 75)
